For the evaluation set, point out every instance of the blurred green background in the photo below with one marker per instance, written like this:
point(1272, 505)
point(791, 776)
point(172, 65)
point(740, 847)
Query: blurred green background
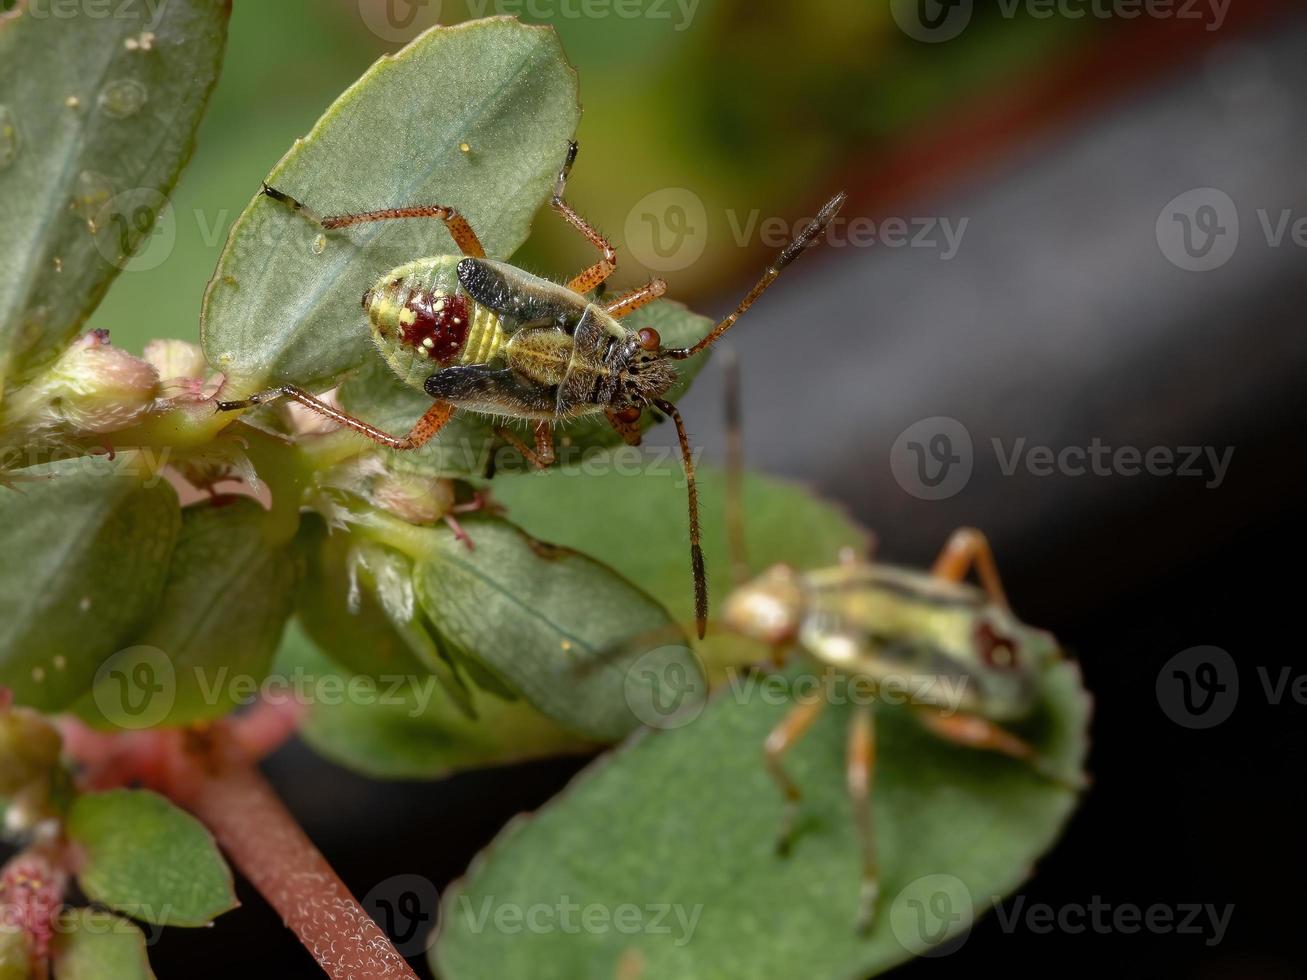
point(702, 95)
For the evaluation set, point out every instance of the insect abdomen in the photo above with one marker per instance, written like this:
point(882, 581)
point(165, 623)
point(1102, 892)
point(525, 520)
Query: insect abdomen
point(423, 320)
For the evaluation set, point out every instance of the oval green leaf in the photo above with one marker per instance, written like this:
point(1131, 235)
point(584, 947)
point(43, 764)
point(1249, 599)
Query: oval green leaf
point(284, 303)
point(97, 118)
point(628, 509)
point(92, 945)
point(207, 649)
point(667, 848)
point(87, 545)
point(409, 730)
point(582, 644)
point(145, 858)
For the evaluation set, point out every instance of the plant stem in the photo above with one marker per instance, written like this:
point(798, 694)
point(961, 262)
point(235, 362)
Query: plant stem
point(263, 841)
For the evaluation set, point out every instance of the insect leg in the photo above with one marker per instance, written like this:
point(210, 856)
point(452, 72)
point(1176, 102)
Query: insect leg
point(861, 765)
point(692, 492)
point(423, 430)
point(976, 732)
point(791, 251)
point(782, 737)
point(464, 237)
point(591, 277)
point(636, 298)
point(968, 548)
point(542, 457)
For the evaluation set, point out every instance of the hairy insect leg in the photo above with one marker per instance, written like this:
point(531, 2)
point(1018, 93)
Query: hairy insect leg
point(422, 432)
point(975, 732)
point(792, 728)
point(636, 298)
point(692, 493)
point(860, 768)
point(968, 548)
point(464, 237)
point(589, 278)
point(542, 456)
point(788, 254)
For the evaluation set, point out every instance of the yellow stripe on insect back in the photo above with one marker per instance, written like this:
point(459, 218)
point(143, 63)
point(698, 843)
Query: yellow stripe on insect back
point(485, 337)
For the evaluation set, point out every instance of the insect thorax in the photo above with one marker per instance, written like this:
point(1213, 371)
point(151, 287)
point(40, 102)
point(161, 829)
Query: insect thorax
point(886, 622)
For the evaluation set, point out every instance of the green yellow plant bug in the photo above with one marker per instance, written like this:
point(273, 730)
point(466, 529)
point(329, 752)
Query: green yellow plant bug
point(970, 665)
point(482, 335)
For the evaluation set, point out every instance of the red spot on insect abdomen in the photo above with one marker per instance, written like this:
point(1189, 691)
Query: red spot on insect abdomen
point(439, 324)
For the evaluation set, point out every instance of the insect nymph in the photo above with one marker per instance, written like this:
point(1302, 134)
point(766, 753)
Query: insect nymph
point(968, 664)
point(482, 335)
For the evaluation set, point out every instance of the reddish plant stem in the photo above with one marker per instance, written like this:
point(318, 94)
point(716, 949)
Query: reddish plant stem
point(262, 839)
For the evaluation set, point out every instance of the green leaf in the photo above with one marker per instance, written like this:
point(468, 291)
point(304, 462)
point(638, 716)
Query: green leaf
point(581, 644)
point(629, 510)
point(15, 958)
point(229, 592)
point(410, 731)
point(683, 824)
point(465, 446)
point(97, 118)
point(93, 945)
point(144, 857)
point(87, 545)
point(358, 605)
point(284, 304)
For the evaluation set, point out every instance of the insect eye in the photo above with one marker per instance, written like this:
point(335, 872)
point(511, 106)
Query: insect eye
point(994, 649)
point(648, 339)
point(629, 416)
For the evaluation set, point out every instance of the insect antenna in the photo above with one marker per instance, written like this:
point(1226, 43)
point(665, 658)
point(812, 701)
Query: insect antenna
point(791, 252)
point(734, 467)
point(696, 550)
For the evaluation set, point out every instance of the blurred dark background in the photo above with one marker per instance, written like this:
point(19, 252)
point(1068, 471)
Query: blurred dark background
point(1121, 193)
